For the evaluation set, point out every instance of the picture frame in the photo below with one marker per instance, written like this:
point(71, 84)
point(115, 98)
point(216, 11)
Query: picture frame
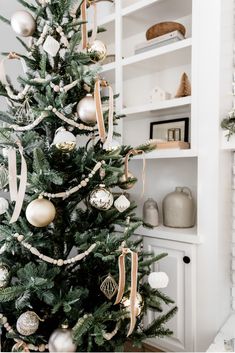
point(164, 130)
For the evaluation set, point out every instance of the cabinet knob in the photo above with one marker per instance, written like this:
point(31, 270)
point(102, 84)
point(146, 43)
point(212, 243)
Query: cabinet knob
point(186, 260)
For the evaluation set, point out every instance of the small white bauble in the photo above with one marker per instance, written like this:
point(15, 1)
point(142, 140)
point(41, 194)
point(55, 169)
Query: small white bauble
point(64, 140)
point(23, 23)
point(27, 324)
point(61, 340)
point(158, 280)
point(101, 198)
point(4, 275)
point(51, 46)
point(86, 110)
point(40, 212)
point(98, 50)
point(122, 203)
point(3, 205)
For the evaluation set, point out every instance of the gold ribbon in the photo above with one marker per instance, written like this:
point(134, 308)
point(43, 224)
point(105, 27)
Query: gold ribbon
point(122, 283)
point(17, 194)
point(134, 153)
point(84, 25)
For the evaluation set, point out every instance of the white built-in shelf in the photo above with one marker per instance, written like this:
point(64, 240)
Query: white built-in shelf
point(108, 72)
point(167, 153)
point(167, 107)
point(108, 67)
point(108, 20)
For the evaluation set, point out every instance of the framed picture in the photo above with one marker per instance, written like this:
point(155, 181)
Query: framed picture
point(170, 130)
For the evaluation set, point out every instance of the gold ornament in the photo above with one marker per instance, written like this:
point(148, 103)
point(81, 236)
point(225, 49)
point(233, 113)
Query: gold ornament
point(64, 140)
point(40, 212)
point(98, 50)
point(23, 23)
point(3, 177)
point(138, 304)
point(101, 198)
point(4, 275)
point(28, 323)
point(86, 110)
point(109, 286)
point(61, 340)
point(127, 183)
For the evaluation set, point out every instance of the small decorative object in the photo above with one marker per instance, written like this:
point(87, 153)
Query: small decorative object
point(158, 280)
point(171, 134)
point(51, 46)
point(162, 28)
point(61, 340)
point(64, 140)
point(159, 129)
point(98, 50)
point(3, 176)
point(139, 304)
point(101, 198)
point(176, 145)
point(151, 212)
point(177, 134)
point(109, 287)
point(184, 89)
point(179, 209)
point(28, 323)
point(111, 146)
point(122, 203)
point(40, 212)
point(158, 95)
point(4, 275)
point(86, 109)
point(3, 205)
point(127, 183)
point(23, 23)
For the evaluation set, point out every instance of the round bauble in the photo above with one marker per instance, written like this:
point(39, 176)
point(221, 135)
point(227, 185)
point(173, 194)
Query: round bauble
point(27, 324)
point(5, 275)
point(98, 50)
point(3, 205)
point(40, 212)
point(101, 198)
point(64, 140)
point(158, 280)
point(138, 304)
point(61, 340)
point(127, 183)
point(86, 110)
point(23, 23)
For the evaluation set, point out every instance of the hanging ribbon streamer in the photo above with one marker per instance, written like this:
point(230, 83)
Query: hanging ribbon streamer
point(85, 42)
point(134, 153)
point(17, 194)
point(109, 140)
point(122, 283)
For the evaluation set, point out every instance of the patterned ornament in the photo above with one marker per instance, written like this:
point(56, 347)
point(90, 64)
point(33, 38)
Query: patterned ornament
point(98, 50)
point(28, 323)
point(122, 203)
point(109, 286)
point(64, 140)
point(101, 198)
point(86, 110)
point(3, 176)
point(40, 212)
point(139, 304)
point(127, 183)
point(23, 23)
point(4, 275)
point(158, 280)
point(61, 340)
point(51, 46)
point(3, 205)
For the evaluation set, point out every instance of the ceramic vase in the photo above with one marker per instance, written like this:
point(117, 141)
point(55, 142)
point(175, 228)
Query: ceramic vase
point(151, 213)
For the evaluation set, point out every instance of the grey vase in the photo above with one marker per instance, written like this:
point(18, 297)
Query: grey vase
point(150, 212)
point(179, 209)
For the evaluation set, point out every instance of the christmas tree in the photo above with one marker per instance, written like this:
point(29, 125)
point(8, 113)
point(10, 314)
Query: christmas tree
point(68, 280)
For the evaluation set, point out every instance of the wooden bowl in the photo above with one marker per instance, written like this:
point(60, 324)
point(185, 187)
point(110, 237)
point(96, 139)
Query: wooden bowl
point(163, 28)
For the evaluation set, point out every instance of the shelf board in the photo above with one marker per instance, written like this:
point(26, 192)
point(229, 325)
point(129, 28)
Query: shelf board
point(108, 67)
point(107, 20)
point(171, 106)
point(108, 72)
point(167, 153)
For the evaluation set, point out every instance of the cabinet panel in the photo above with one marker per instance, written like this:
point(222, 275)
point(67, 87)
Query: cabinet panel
point(180, 288)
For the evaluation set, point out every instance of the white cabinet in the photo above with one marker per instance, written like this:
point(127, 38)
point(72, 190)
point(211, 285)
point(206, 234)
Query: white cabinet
point(180, 267)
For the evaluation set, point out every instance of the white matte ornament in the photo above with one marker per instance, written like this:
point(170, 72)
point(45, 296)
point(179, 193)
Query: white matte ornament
point(3, 205)
point(122, 203)
point(27, 324)
point(51, 46)
point(61, 340)
point(158, 280)
point(23, 23)
point(86, 110)
point(40, 212)
point(64, 140)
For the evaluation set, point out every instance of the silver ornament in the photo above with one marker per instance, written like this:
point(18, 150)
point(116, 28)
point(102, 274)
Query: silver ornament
point(61, 340)
point(3, 205)
point(98, 50)
point(3, 177)
point(28, 323)
point(51, 46)
point(101, 198)
point(86, 110)
point(4, 275)
point(64, 140)
point(138, 304)
point(40, 212)
point(23, 23)
point(122, 203)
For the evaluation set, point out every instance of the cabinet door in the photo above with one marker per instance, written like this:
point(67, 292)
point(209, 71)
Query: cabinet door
point(180, 267)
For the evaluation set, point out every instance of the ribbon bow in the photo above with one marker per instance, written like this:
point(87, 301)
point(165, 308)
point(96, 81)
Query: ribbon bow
point(122, 282)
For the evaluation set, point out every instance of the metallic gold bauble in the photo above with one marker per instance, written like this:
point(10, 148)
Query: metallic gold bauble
point(86, 110)
point(40, 212)
point(64, 140)
point(61, 340)
point(27, 324)
point(139, 304)
point(98, 50)
point(5, 275)
point(127, 183)
point(23, 23)
point(3, 205)
point(101, 198)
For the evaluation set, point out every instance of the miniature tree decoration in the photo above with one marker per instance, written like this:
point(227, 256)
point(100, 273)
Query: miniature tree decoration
point(184, 89)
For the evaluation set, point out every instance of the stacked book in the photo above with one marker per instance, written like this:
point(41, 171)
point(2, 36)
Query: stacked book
point(168, 38)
